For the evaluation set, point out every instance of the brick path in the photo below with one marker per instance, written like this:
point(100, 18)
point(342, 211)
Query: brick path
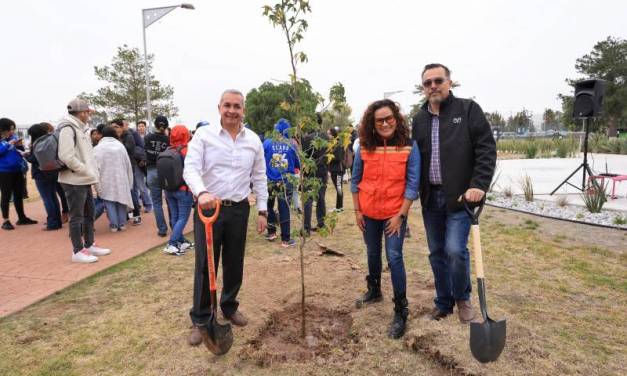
point(34, 263)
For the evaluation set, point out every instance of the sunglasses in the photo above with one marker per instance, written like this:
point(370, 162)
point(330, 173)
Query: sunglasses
point(438, 81)
point(390, 120)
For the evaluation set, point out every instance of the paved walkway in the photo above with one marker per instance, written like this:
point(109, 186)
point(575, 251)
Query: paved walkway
point(34, 263)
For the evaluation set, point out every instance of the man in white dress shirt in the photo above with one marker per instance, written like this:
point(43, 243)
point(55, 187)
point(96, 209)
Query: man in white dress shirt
point(221, 163)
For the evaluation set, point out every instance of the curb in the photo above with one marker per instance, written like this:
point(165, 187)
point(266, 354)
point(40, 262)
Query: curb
point(558, 218)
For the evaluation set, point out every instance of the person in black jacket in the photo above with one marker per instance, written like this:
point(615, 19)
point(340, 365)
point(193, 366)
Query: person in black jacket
point(458, 156)
point(318, 155)
point(336, 168)
point(156, 143)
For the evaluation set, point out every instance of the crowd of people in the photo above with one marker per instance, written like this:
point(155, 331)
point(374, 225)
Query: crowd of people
point(446, 153)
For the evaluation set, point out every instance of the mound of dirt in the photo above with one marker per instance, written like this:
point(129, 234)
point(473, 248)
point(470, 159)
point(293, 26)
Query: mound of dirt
point(327, 332)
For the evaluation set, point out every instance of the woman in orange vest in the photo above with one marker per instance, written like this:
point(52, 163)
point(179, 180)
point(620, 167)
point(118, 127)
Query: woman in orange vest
point(386, 173)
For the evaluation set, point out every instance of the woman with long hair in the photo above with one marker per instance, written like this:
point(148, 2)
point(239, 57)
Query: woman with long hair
point(384, 184)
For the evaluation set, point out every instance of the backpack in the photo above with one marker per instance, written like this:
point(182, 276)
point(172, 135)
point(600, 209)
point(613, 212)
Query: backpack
point(46, 150)
point(170, 169)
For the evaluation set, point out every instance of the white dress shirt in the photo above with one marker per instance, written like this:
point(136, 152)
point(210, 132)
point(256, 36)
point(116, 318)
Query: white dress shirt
point(225, 167)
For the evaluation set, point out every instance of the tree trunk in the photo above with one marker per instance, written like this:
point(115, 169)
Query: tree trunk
point(611, 126)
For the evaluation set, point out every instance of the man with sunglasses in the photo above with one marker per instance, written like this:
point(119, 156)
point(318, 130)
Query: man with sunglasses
point(458, 156)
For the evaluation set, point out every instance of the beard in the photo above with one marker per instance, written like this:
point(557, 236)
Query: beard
point(435, 98)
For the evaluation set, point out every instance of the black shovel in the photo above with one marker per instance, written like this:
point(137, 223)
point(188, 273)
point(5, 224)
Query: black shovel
point(217, 337)
point(487, 339)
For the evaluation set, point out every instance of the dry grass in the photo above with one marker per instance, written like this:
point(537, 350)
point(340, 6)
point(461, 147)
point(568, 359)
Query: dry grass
point(563, 300)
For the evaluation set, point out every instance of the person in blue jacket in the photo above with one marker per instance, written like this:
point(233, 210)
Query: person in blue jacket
point(281, 161)
point(12, 167)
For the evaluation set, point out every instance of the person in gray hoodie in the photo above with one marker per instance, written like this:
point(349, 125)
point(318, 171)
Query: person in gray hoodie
point(76, 152)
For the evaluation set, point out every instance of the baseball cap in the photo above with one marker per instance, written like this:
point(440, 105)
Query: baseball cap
point(162, 120)
point(78, 105)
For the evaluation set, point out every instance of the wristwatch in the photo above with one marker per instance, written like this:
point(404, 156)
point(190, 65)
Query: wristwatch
point(263, 213)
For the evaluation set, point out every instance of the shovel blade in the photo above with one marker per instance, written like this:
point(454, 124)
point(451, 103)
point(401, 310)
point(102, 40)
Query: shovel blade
point(217, 337)
point(487, 339)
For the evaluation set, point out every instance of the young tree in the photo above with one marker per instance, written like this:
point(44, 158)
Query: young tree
point(125, 92)
point(287, 15)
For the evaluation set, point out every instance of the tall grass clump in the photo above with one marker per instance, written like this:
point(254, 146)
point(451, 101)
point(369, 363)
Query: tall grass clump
point(526, 185)
point(594, 197)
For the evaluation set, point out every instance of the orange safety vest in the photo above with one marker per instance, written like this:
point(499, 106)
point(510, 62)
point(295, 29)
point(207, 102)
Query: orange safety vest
point(382, 186)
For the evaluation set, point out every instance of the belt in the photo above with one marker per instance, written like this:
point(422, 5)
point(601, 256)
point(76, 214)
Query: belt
point(234, 203)
point(435, 186)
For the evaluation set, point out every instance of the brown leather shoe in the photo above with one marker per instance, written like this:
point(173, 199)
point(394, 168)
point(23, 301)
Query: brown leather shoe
point(237, 319)
point(465, 311)
point(438, 315)
point(195, 337)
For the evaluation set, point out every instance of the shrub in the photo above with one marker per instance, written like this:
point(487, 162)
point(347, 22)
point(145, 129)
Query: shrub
point(594, 197)
point(526, 186)
point(620, 220)
point(531, 149)
point(507, 191)
point(562, 201)
point(561, 148)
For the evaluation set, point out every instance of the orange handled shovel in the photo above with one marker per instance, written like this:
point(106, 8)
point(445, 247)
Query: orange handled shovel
point(217, 337)
point(487, 339)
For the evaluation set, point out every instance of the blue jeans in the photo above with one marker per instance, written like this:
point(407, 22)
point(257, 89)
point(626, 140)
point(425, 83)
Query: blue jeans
point(283, 194)
point(321, 209)
point(374, 232)
point(180, 203)
point(139, 186)
point(99, 207)
point(447, 237)
point(48, 192)
point(156, 194)
point(116, 212)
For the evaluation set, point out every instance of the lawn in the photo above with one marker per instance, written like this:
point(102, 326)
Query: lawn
point(562, 288)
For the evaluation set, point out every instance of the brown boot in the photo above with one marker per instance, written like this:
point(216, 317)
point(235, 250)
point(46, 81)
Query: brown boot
point(438, 315)
point(237, 319)
point(465, 311)
point(195, 337)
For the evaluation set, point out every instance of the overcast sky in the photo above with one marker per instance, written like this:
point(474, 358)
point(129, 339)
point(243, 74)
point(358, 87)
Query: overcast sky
point(505, 54)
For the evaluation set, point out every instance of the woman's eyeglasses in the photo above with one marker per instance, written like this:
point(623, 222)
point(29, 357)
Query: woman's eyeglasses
point(390, 120)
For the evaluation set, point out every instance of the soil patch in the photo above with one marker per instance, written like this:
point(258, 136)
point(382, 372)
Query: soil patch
point(424, 344)
point(280, 340)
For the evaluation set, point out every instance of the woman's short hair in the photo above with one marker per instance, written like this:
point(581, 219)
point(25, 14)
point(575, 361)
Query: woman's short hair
point(368, 136)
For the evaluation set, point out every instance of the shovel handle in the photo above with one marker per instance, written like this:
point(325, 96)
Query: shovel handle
point(209, 221)
point(476, 248)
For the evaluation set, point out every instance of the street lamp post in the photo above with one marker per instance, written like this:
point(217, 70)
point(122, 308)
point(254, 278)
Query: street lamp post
point(150, 16)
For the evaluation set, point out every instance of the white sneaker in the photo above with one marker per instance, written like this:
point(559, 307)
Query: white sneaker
point(185, 245)
point(170, 250)
point(97, 251)
point(83, 256)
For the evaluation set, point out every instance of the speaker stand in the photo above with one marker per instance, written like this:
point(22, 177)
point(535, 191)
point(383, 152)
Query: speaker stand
point(584, 166)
